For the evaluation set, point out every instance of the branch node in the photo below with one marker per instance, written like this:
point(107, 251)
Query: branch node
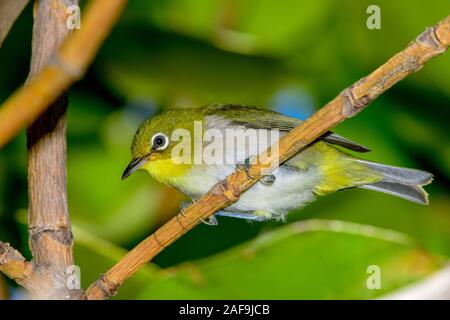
point(352, 105)
point(223, 188)
point(158, 242)
point(60, 234)
point(107, 286)
point(179, 222)
point(430, 38)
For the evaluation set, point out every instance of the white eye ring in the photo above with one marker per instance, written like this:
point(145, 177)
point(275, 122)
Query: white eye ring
point(157, 144)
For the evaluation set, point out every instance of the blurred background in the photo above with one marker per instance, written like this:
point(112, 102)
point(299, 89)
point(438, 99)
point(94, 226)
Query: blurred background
point(288, 55)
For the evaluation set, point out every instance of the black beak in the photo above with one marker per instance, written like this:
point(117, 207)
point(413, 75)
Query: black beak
point(133, 166)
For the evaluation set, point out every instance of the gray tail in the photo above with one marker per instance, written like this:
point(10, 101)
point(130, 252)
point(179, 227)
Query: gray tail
point(401, 182)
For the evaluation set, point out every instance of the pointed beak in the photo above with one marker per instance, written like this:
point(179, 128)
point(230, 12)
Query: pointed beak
point(133, 166)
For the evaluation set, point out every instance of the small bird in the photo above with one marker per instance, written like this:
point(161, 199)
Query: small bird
point(319, 169)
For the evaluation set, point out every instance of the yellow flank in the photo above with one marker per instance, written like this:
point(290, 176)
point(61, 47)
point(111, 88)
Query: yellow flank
point(339, 170)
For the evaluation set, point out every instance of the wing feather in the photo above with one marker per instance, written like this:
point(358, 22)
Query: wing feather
point(257, 118)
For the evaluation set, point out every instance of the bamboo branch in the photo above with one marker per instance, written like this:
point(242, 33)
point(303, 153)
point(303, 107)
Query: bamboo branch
point(66, 66)
point(9, 12)
point(432, 42)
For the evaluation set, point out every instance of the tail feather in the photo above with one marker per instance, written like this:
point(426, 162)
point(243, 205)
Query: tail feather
point(400, 175)
point(401, 182)
point(414, 193)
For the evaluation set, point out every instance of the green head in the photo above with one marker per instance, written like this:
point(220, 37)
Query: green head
point(152, 139)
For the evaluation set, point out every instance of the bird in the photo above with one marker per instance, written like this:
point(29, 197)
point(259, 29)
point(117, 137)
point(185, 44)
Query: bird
point(323, 167)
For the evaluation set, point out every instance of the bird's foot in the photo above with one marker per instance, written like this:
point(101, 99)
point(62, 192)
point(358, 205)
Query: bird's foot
point(184, 205)
point(246, 166)
point(266, 180)
point(212, 221)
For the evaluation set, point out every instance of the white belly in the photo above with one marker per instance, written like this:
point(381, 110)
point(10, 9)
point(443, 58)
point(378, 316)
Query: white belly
point(292, 189)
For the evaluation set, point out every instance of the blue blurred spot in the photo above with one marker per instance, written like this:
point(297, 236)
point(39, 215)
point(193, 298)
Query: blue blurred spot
point(294, 102)
point(140, 109)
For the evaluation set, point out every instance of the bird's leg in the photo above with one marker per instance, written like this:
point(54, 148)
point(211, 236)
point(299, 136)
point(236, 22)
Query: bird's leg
point(267, 180)
point(212, 220)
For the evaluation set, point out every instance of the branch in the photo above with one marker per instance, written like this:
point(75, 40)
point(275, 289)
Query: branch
point(66, 66)
point(13, 264)
point(49, 224)
point(434, 41)
point(9, 12)
point(49, 230)
point(36, 280)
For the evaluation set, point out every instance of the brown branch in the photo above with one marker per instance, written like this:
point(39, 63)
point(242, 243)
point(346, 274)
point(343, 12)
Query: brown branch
point(49, 230)
point(13, 264)
point(432, 42)
point(35, 279)
point(9, 12)
point(51, 73)
point(65, 67)
point(49, 226)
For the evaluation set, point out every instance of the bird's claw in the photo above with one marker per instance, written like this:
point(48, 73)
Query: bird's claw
point(267, 180)
point(246, 167)
point(212, 221)
point(184, 205)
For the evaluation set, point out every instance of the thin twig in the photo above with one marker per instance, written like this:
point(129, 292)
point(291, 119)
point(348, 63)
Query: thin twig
point(66, 66)
point(9, 12)
point(434, 41)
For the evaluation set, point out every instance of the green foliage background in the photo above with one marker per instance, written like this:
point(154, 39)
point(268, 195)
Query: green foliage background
point(292, 56)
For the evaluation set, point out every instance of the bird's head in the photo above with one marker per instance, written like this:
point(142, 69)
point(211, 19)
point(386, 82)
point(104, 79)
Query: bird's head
point(152, 140)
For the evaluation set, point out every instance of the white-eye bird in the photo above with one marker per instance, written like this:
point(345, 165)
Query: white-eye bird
point(319, 169)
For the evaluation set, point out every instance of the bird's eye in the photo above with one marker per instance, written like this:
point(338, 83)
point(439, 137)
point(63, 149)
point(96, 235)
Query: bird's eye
point(160, 141)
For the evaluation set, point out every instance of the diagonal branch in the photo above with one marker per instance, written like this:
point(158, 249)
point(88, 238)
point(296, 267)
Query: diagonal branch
point(65, 67)
point(432, 42)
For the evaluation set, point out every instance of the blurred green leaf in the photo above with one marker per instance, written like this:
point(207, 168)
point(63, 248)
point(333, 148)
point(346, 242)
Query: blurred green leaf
point(99, 201)
point(167, 53)
point(315, 259)
point(139, 62)
point(95, 256)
